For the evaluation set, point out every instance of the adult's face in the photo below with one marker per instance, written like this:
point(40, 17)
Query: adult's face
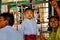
point(2, 22)
point(54, 22)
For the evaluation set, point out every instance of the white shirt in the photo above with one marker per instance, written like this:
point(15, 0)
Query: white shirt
point(8, 33)
point(29, 27)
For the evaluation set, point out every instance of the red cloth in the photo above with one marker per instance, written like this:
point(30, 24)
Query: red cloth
point(30, 37)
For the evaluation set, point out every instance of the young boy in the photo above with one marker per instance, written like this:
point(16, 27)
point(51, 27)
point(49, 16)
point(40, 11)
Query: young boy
point(6, 30)
point(29, 27)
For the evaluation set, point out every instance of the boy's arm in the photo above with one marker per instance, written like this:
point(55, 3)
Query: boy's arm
point(22, 29)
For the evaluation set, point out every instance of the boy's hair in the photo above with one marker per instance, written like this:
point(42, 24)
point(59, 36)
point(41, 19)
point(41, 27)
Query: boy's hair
point(28, 9)
point(9, 17)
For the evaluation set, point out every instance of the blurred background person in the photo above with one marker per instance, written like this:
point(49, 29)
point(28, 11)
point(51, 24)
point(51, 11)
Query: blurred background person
point(55, 28)
point(6, 30)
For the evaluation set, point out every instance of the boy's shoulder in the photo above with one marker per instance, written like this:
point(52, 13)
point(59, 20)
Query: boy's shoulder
point(8, 28)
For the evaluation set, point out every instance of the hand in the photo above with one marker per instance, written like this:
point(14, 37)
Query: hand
point(42, 37)
point(54, 3)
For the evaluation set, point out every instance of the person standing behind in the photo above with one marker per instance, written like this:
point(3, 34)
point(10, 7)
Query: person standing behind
point(55, 33)
point(6, 30)
point(29, 27)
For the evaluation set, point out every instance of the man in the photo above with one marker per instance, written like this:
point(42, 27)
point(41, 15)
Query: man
point(6, 30)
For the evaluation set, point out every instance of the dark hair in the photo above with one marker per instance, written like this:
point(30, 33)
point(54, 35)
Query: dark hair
point(28, 9)
point(9, 17)
point(54, 17)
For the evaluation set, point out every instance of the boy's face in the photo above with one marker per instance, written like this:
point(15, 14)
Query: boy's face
point(54, 22)
point(29, 14)
point(2, 22)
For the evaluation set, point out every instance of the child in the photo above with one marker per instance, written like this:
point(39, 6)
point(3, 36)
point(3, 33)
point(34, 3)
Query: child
point(6, 30)
point(29, 27)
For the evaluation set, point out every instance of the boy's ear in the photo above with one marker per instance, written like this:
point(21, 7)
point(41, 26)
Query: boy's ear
point(6, 21)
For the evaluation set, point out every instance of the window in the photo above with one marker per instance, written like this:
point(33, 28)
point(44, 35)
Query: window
point(44, 12)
